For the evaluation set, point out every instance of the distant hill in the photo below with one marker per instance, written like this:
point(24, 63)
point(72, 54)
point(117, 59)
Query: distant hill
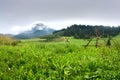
point(88, 31)
point(37, 31)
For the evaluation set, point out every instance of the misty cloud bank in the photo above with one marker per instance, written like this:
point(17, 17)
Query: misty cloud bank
point(18, 14)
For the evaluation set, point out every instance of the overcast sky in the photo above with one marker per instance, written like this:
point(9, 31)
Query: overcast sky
point(19, 15)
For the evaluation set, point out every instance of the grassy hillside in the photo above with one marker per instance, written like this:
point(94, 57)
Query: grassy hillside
point(62, 60)
point(117, 37)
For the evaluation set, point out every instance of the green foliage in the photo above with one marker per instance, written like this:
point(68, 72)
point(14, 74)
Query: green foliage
point(58, 61)
point(87, 31)
point(53, 38)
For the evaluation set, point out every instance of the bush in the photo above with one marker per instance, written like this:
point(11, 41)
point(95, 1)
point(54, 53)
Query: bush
point(6, 40)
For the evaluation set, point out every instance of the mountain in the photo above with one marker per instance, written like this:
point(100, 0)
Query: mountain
point(38, 30)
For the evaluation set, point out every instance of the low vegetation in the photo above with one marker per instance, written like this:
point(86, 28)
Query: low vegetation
point(35, 60)
point(6, 40)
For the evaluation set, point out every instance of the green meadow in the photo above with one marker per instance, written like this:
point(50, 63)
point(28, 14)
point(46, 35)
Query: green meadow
point(36, 59)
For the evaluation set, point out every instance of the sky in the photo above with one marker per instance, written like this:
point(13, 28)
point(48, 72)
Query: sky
point(20, 15)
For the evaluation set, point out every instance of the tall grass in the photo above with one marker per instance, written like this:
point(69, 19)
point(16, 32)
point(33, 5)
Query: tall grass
point(58, 61)
point(116, 45)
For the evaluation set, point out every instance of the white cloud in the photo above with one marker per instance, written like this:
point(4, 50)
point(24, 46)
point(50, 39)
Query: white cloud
point(16, 29)
point(19, 29)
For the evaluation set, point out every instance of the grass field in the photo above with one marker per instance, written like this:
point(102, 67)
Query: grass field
point(35, 60)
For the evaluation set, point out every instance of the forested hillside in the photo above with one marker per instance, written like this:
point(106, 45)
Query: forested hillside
point(87, 31)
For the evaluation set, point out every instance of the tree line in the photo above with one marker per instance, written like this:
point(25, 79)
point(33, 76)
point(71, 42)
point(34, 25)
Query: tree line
point(88, 31)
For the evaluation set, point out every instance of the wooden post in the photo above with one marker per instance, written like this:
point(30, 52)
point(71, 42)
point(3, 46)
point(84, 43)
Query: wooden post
point(96, 45)
point(108, 41)
point(88, 43)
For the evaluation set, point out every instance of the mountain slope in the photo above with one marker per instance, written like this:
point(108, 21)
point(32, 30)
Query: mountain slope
point(37, 31)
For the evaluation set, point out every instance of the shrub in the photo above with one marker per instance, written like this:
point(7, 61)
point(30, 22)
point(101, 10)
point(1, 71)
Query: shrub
point(6, 40)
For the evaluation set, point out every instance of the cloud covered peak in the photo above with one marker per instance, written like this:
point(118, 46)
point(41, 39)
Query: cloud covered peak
point(39, 26)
